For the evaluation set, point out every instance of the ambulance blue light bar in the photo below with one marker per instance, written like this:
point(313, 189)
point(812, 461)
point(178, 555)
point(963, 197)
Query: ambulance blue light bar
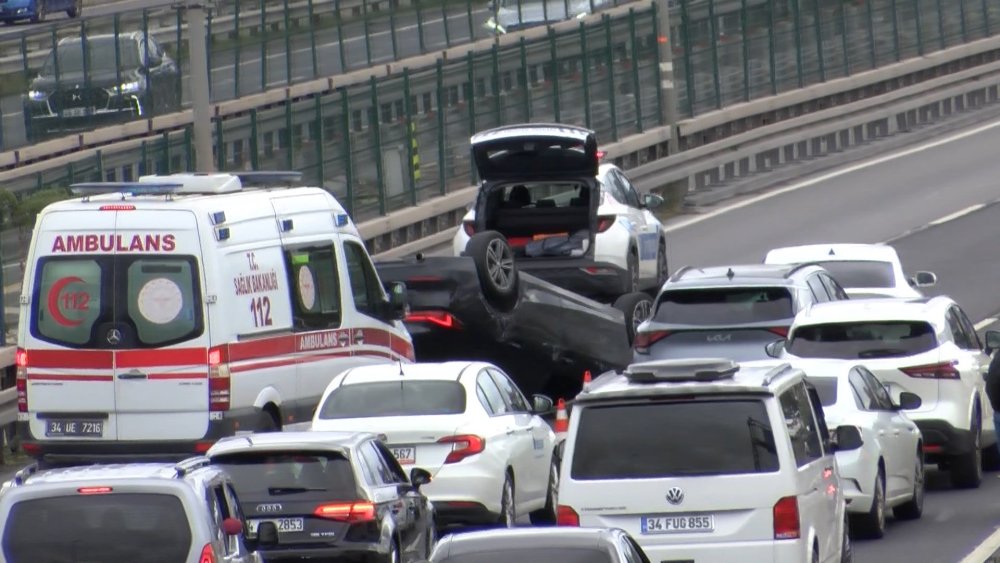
point(134, 188)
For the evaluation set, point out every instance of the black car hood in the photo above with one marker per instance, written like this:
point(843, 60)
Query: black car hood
point(72, 80)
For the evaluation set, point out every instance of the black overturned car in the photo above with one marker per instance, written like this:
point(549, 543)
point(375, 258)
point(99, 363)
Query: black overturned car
point(100, 80)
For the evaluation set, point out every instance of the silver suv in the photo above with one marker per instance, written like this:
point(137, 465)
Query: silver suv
point(730, 311)
point(150, 512)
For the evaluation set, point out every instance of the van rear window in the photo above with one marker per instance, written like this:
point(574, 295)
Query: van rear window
point(151, 300)
point(672, 439)
point(104, 528)
point(724, 306)
point(294, 475)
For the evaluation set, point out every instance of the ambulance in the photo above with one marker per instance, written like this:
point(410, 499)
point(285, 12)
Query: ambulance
point(160, 315)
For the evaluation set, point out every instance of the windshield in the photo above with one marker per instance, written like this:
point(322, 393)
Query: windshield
point(885, 339)
point(98, 528)
point(101, 57)
point(531, 555)
point(851, 274)
point(697, 437)
point(724, 306)
point(263, 474)
point(394, 398)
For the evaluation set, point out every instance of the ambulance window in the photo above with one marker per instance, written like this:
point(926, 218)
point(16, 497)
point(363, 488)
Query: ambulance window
point(162, 300)
point(364, 282)
point(68, 300)
point(316, 287)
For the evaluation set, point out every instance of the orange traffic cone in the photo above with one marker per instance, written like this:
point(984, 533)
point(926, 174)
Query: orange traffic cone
point(586, 379)
point(562, 419)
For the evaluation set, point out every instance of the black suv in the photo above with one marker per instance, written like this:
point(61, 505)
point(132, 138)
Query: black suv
point(80, 86)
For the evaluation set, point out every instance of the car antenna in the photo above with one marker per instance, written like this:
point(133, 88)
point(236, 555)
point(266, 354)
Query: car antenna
point(831, 253)
point(730, 273)
point(400, 362)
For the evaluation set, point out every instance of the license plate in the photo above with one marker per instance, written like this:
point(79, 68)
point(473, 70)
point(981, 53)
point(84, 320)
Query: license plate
point(75, 112)
point(678, 523)
point(404, 455)
point(284, 525)
point(76, 428)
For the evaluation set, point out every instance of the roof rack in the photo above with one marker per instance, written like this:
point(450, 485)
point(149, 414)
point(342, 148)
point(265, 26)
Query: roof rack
point(685, 370)
point(190, 464)
point(21, 476)
point(680, 272)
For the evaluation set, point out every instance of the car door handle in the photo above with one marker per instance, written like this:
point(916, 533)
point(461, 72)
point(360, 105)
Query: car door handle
point(134, 374)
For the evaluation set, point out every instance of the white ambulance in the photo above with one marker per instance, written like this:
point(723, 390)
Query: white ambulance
point(160, 315)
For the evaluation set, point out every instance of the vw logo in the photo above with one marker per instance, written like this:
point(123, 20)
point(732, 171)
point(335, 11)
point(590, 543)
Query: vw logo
point(77, 97)
point(675, 495)
point(269, 507)
point(114, 337)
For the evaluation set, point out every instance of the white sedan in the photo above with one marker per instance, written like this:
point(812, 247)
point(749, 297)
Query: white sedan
point(864, 270)
point(888, 470)
point(489, 453)
point(629, 235)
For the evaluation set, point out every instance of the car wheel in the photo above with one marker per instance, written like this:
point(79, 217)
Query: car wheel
point(872, 524)
point(914, 508)
point(846, 547)
point(495, 266)
point(662, 269)
point(508, 511)
point(393, 556)
point(267, 423)
point(547, 515)
point(39, 13)
point(967, 469)
point(637, 307)
point(633, 272)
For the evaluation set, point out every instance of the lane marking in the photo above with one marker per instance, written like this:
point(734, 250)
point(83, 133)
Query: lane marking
point(830, 175)
point(957, 214)
point(984, 323)
point(985, 550)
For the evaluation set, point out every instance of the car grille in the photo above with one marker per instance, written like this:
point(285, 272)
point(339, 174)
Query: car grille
point(78, 98)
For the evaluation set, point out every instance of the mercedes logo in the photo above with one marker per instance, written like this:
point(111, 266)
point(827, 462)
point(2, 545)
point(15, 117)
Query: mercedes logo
point(274, 507)
point(114, 337)
point(675, 495)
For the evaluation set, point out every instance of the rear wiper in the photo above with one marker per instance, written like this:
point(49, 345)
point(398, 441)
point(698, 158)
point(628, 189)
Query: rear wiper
point(882, 352)
point(292, 490)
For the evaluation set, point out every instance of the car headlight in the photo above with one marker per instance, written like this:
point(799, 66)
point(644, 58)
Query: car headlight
point(581, 15)
point(130, 87)
point(37, 95)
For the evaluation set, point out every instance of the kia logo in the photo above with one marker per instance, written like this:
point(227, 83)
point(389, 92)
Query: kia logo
point(675, 495)
point(269, 507)
point(720, 338)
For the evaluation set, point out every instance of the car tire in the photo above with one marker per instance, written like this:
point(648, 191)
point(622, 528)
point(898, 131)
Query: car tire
point(547, 515)
point(494, 260)
point(632, 265)
point(991, 458)
point(266, 422)
point(967, 469)
point(662, 268)
point(846, 546)
point(871, 525)
point(914, 508)
point(637, 307)
point(508, 510)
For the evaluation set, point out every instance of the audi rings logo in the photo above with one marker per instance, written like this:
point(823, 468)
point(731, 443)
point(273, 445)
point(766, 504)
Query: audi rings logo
point(675, 495)
point(269, 508)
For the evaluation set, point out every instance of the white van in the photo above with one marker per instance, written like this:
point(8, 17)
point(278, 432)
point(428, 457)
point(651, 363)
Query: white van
point(160, 315)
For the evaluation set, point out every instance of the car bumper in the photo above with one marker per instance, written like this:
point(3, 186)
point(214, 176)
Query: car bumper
point(350, 553)
point(941, 439)
point(586, 277)
point(783, 551)
point(45, 124)
point(467, 494)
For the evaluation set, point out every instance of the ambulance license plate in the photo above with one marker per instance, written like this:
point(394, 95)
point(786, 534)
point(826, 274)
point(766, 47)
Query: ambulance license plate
point(64, 427)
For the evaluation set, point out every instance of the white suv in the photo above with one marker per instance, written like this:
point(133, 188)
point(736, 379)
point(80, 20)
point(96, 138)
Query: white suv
point(924, 346)
point(705, 460)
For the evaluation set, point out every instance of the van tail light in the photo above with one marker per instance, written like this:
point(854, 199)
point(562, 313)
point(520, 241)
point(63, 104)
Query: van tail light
point(442, 319)
point(643, 340)
point(350, 512)
point(786, 519)
point(604, 222)
point(781, 331)
point(463, 446)
point(566, 516)
point(21, 361)
point(469, 227)
point(207, 554)
point(218, 379)
point(94, 490)
point(943, 370)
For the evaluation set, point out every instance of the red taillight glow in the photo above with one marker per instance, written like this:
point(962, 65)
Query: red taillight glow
point(21, 358)
point(786, 519)
point(933, 448)
point(463, 446)
point(94, 490)
point(117, 207)
point(604, 222)
point(202, 447)
point(943, 370)
point(21, 381)
point(469, 227)
point(566, 516)
point(643, 340)
point(218, 380)
point(351, 512)
point(781, 331)
point(207, 554)
point(442, 319)
point(600, 154)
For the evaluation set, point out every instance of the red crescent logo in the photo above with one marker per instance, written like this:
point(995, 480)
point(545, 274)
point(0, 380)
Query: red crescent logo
point(53, 301)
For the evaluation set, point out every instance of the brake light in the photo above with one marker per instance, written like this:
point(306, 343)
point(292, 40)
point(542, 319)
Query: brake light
point(781, 331)
point(207, 554)
point(604, 222)
point(943, 370)
point(786, 519)
point(218, 380)
point(351, 512)
point(117, 207)
point(643, 340)
point(566, 516)
point(469, 227)
point(94, 490)
point(442, 319)
point(463, 446)
point(21, 381)
point(600, 154)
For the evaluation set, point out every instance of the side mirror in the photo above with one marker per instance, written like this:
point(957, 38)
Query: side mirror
point(399, 305)
point(847, 438)
point(924, 279)
point(775, 349)
point(540, 404)
point(267, 534)
point(232, 527)
point(419, 477)
point(652, 201)
point(908, 401)
point(992, 340)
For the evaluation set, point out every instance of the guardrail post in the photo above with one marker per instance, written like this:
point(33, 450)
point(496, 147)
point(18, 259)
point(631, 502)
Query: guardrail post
point(263, 45)
point(164, 167)
point(472, 28)
point(523, 72)
point(667, 93)
point(688, 68)
point(470, 99)
point(554, 75)
point(320, 134)
point(496, 83)
point(636, 81)
point(420, 27)
point(368, 45)
point(288, 44)
point(345, 106)
point(444, 23)
point(24, 55)
point(611, 76)
point(313, 24)
point(340, 36)
point(220, 151)
point(585, 70)
point(920, 31)
point(254, 143)
point(143, 157)
point(288, 137)
point(392, 34)
point(441, 126)
point(412, 152)
point(98, 165)
point(377, 134)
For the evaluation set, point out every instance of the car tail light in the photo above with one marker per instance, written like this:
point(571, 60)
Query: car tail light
point(566, 516)
point(117, 207)
point(469, 227)
point(94, 490)
point(781, 331)
point(21, 361)
point(218, 379)
point(442, 319)
point(351, 512)
point(786, 519)
point(207, 554)
point(600, 154)
point(943, 370)
point(643, 340)
point(463, 446)
point(604, 222)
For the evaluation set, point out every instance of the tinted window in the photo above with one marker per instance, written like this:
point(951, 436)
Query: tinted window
point(316, 293)
point(510, 392)
point(105, 528)
point(862, 391)
point(545, 195)
point(833, 289)
point(490, 393)
point(101, 56)
point(861, 273)
point(797, 410)
point(817, 289)
point(862, 340)
point(364, 282)
point(826, 387)
point(726, 306)
point(878, 391)
point(505, 554)
point(73, 296)
point(394, 398)
point(258, 475)
point(669, 439)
